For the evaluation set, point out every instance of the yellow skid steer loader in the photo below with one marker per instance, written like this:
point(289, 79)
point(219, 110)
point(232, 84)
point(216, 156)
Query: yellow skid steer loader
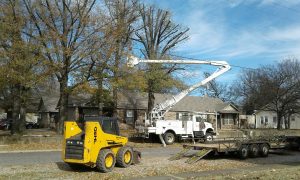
point(96, 142)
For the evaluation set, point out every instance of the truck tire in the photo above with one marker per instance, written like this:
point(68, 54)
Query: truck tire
point(264, 150)
point(253, 150)
point(243, 152)
point(169, 138)
point(106, 160)
point(124, 156)
point(208, 137)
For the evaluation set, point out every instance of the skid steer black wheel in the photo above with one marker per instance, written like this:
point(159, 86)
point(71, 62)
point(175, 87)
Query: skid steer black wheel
point(253, 150)
point(124, 156)
point(169, 138)
point(243, 152)
point(106, 160)
point(264, 150)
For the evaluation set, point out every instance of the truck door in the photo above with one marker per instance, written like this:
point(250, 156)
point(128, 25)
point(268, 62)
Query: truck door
point(196, 122)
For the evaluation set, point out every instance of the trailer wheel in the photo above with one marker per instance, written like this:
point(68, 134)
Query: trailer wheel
point(264, 150)
point(124, 156)
point(208, 137)
point(169, 138)
point(106, 160)
point(243, 152)
point(253, 150)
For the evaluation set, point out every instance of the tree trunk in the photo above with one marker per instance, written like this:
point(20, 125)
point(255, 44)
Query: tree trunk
point(22, 120)
point(289, 122)
point(63, 108)
point(100, 95)
point(19, 109)
point(116, 80)
point(151, 98)
point(279, 117)
point(15, 110)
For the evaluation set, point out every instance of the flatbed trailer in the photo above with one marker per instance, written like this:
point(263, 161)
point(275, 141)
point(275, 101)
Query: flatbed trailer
point(243, 147)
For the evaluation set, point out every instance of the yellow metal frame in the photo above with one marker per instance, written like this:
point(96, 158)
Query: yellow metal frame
point(94, 140)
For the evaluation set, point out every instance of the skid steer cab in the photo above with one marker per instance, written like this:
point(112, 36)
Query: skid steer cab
point(96, 142)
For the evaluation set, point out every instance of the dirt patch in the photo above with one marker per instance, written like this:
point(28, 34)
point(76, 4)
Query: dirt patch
point(150, 166)
point(278, 173)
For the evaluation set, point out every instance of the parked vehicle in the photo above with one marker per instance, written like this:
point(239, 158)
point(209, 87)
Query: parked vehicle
point(96, 142)
point(5, 124)
point(32, 125)
point(243, 147)
point(169, 129)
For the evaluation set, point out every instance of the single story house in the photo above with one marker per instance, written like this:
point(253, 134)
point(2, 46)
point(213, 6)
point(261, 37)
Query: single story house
point(132, 109)
point(268, 119)
point(47, 109)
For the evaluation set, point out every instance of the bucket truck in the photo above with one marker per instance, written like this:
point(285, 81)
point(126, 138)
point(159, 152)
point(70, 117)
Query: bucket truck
point(169, 129)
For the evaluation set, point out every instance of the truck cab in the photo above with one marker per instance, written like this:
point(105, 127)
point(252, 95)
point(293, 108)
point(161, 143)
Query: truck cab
point(188, 125)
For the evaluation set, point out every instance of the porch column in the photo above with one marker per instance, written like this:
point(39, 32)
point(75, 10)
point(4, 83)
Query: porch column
point(216, 114)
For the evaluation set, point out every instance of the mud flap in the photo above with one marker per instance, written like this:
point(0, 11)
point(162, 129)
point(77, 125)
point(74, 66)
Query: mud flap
point(137, 155)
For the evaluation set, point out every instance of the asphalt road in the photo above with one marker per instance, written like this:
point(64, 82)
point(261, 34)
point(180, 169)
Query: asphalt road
point(28, 158)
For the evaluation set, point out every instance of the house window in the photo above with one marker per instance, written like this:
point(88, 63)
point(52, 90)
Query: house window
point(228, 119)
point(129, 117)
point(266, 120)
point(129, 113)
point(292, 118)
point(261, 120)
point(274, 119)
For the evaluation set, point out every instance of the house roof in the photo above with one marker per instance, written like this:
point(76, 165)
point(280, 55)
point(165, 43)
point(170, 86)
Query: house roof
point(49, 102)
point(83, 99)
point(132, 100)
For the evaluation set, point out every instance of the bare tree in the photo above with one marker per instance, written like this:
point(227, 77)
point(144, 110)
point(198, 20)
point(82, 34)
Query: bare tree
point(218, 89)
point(158, 35)
point(68, 32)
point(122, 14)
point(273, 88)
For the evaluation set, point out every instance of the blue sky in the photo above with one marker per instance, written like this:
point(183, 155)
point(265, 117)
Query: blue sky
point(246, 33)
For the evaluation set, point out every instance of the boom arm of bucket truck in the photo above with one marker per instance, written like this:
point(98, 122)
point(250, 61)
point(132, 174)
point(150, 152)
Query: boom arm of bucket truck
point(161, 109)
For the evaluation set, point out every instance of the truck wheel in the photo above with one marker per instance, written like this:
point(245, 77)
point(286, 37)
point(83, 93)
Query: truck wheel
point(29, 126)
point(169, 138)
point(124, 156)
point(254, 150)
point(208, 137)
point(243, 152)
point(105, 161)
point(264, 150)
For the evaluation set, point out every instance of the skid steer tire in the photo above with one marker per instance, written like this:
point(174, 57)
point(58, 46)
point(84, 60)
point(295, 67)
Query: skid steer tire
point(124, 157)
point(106, 161)
point(169, 138)
point(253, 150)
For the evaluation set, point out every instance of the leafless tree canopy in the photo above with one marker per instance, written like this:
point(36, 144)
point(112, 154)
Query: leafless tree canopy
point(274, 88)
point(158, 35)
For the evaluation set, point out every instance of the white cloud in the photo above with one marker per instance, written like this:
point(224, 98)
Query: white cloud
point(205, 35)
point(291, 33)
point(285, 3)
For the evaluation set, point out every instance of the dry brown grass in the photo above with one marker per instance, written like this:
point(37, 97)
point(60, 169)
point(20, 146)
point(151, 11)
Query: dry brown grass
point(154, 166)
